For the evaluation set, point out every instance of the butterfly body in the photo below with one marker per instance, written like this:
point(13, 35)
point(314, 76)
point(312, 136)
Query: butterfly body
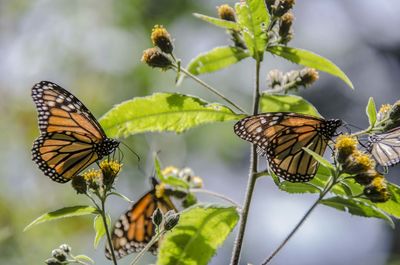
point(385, 147)
point(281, 137)
point(71, 138)
point(135, 228)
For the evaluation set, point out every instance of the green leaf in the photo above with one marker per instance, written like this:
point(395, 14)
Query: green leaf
point(356, 207)
point(371, 112)
point(84, 258)
point(200, 231)
point(63, 213)
point(99, 228)
point(320, 159)
point(169, 180)
point(216, 59)
point(222, 23)
point(287, 103)
point(392, 206)
point(253, 17)
point(121, 196)
point(310, 59)
point(163, 112)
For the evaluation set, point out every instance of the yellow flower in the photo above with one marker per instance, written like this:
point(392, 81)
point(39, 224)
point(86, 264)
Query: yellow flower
point(110, 170)
point(160, 190)
point(358, 162)
point(170, 171)
point(345, 146)
point(162, 39)
point(226, 12)
point(92, 174)
point(377, 191)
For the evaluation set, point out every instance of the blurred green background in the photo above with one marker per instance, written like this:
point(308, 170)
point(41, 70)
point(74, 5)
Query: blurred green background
point(93, 49)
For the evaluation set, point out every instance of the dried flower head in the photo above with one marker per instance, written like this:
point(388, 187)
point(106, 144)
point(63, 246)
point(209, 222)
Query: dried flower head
point(281, 7)
point(285, 27)
point(171, 220)
point(162, 39)
point(365, 178)
point(154, 57)
point(59, 254)
point(274, 78)
point(383, 111)
point(308, 76)
point(157, 217)
point(358, 162)
point(377, 191)
point(226, 12)
point(345, 146)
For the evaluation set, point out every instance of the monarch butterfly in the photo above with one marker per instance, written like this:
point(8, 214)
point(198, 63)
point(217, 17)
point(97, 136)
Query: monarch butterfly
point(281, 136)
point(134, 229)
point(71, 139)
point(385, 147)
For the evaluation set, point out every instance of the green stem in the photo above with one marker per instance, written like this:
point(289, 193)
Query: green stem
point(252, 179)
point(370, 129)
point(210, 88)
point(147, 247)
point(215, 194)
point(330, 185)
point(103, 216)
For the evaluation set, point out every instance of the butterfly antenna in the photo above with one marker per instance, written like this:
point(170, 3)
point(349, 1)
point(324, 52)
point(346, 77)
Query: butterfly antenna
point(133, 152)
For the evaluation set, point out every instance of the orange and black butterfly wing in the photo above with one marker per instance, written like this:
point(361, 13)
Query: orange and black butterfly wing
point(134, 229)
point(61, 156)
point(281, 138)
point(71, 138)
point(60, 111)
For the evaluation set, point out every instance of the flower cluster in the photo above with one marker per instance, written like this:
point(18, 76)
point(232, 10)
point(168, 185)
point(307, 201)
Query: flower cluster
point(63, 255)
point(159, 56)
point(96, 180)
point(361, 166)
point(292, 80)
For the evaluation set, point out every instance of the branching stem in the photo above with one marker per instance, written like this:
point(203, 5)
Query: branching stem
point(251, 181)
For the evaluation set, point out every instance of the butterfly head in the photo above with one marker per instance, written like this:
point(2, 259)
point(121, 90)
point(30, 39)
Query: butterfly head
point(106, 147)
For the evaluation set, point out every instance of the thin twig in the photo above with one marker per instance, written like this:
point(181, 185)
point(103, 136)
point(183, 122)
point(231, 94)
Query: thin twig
point(147, 247)
point(103, 216)
point(302, 220)
point(210, 88)
point(252, 179)
point(215, 194)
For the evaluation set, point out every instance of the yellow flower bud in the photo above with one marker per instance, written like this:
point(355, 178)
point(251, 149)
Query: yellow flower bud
point(156, 58)
point(226, 12)
point(377, 191)
point(162, 39)
point(345, 146)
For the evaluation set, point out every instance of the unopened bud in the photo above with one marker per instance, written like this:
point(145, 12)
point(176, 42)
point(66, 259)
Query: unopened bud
point(274, 78)
point(282, 7)
point(157, 217)
point(52, 261)
point(171, 220)
point(285, 28)
point(66, 248)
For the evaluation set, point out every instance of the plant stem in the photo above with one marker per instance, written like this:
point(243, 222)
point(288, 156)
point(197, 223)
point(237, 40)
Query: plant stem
point(210, 88)
point(147, 247)
point(251, 181)
point(103, 216)
point(300, 223)
point(215, 194)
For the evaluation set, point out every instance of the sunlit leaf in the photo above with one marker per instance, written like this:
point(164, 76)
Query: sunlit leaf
point(200, 231)
point(253, 17)
point(287, 103)
point(356, 207)
point(222, 23)
point(84, 258)
point(216, 59)
point(63, 213)
point(163, 112)
point(371, 112)
point(99, 228)
point(310, 59)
